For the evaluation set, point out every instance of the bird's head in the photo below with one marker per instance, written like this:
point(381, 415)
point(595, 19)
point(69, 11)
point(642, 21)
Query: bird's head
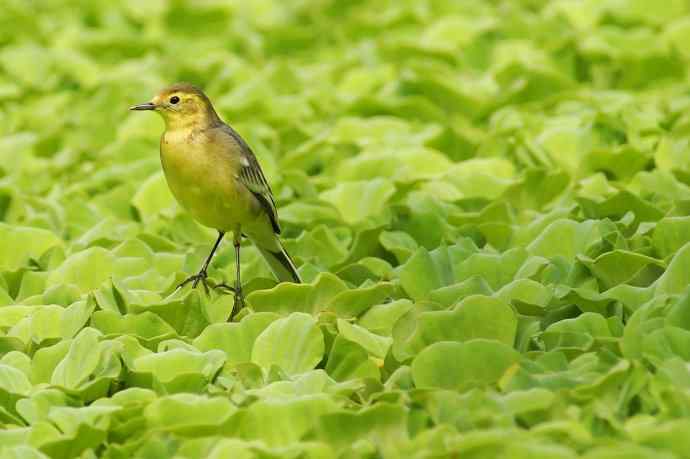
point(181, 105)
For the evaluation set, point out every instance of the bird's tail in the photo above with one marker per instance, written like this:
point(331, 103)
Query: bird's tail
point(281, 264)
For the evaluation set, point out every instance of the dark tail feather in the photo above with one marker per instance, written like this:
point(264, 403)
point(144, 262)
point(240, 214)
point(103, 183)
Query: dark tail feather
point(281, 264)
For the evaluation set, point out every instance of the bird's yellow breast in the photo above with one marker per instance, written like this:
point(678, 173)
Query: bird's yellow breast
point(202, 176)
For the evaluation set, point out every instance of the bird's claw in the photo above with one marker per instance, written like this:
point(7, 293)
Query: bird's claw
point(195, 279)
point(202, 277)
point(224, 286)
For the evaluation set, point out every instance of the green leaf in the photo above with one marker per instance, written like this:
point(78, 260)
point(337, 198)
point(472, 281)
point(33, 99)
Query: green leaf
point(670, 234)
point(81, 360)
point(578, 334)
point(475, 317)
point(281, 422)
point(678, 314)
point(37, 406)
point(381, 318)
point(496, 269)
point(374, 344)
point(145, 326)
point(426, 271)
point(87, 269)
point(676, 33)
point(235, 339)
point(674, 280)
point(526, 295)
point(618, 205)
point(453, 365)
point(179, 370)
point(357, 201)
point(565, 238)
point(451, 294)
point(23, 452)
point(351, 303)
point(481, 177)
point(400, 244)
point(185, 312)
point(20, 243)
point(384, 424)
point(189, 414)
point(305, 349)
point(288, 297)
point(348, 360)
point(153, 197)
point(13, 381)
point(619, 266)
point(321, 244)
point(666, 343)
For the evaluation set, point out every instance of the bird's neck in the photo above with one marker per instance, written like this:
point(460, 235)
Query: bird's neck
point(192, 122)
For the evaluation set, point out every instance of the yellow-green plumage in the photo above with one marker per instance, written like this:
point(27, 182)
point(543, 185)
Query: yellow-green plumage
point(202, 171)
point(214, 175)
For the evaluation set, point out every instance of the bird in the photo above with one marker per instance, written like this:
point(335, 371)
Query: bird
point(215, 176)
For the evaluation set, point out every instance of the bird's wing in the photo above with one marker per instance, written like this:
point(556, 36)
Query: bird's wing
point(251, 176)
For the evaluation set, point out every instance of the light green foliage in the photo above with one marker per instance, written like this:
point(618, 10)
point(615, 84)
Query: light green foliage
point(488, 200)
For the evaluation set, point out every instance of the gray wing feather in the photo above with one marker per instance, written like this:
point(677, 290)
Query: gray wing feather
point(253, 178)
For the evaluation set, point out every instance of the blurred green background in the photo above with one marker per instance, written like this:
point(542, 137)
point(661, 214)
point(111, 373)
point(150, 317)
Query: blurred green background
point(489, 202)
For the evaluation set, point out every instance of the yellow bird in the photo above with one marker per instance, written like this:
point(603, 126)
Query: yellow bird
point(214, 175)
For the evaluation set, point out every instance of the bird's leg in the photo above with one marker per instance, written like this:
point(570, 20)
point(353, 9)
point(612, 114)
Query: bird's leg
point(239, 298)
point(201, 275)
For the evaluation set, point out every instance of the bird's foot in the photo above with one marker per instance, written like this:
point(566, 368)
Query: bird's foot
point(201, 276)
point(224, 286)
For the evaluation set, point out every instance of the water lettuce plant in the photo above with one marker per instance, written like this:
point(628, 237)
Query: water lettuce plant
point(489, 202)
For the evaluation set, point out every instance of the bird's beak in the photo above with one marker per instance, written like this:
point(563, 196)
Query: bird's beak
point(144, 106)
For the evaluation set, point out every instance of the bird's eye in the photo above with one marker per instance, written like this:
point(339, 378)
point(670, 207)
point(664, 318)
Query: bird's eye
point(174, 99)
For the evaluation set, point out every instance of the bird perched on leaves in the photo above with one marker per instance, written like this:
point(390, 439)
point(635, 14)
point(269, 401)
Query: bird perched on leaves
point(214, 175)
